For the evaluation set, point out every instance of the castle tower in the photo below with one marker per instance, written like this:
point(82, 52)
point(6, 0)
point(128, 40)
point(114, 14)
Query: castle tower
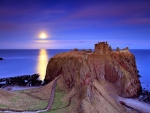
point(106, 47)
point(101, 48)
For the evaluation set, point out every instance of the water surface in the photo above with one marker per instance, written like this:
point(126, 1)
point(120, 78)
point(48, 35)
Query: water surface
point(23, 62)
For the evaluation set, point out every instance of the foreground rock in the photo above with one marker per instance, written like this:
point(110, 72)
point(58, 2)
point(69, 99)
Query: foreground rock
point(97, 79)
point(145, 96)
point(26, 80)
point(1, 59)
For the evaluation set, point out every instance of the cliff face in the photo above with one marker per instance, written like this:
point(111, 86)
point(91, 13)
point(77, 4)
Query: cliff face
point(81, 69)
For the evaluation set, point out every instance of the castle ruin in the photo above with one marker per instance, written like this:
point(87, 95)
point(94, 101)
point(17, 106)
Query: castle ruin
point(122, 50)
point(102, 48)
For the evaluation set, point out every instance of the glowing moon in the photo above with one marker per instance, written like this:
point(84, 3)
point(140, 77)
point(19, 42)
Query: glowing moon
point(43, 35)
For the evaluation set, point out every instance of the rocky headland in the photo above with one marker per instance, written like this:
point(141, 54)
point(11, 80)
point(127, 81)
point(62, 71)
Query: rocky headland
point(95, 80)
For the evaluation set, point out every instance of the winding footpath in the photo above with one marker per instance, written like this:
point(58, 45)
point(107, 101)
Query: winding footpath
point(49, 104)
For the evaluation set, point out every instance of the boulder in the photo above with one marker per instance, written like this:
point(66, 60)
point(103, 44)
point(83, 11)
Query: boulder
point(24, 80)
point(1, 59)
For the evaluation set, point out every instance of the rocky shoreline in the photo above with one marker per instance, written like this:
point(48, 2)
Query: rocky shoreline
point(145, 96)
point(25, 80)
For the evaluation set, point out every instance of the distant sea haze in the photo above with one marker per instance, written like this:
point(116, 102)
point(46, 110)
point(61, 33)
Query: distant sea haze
point(25, 61)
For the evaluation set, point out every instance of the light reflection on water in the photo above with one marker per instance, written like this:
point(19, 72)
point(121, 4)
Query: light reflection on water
point(42, 63)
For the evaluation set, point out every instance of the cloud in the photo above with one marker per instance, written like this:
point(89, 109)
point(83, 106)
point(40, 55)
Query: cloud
point(81, 41)
point(100, 21)
point(100, 15)
point(136, 21)
point(109, 10)
point(7, 26)
point(70, 44)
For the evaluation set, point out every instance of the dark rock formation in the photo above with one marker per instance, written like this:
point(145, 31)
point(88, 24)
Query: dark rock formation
point(145, 96)
point(26, 80)
point(1, 59)
point(79, 68)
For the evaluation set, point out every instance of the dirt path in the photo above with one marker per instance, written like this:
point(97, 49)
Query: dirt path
point(49, 104)
point(51, 96)
point(70, 99)
point(18, 88)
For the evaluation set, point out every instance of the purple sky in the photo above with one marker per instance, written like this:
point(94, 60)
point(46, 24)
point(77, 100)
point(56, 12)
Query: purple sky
point(74, 24)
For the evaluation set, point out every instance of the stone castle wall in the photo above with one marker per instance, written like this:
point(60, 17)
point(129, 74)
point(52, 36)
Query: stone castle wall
point(101, 48)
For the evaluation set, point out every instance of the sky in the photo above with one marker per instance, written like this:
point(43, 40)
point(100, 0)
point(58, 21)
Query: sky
point(72, 24)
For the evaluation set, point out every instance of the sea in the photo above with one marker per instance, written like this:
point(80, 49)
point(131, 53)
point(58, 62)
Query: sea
point(18, 62)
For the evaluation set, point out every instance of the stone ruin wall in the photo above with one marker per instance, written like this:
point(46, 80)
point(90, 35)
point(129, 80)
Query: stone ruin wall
point(101, 48)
